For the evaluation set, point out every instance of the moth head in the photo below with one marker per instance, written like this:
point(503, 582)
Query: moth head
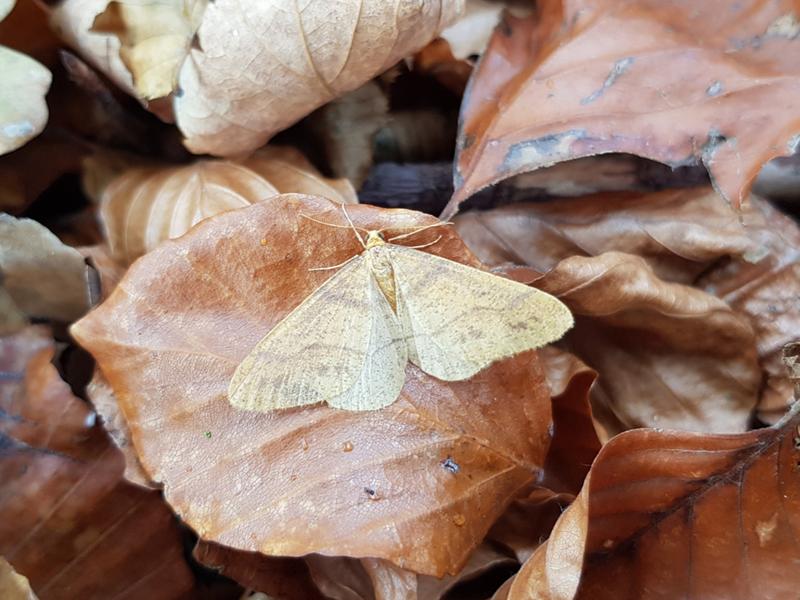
point(374, 238)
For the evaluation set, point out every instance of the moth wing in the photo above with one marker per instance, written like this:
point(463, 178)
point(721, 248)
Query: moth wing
point(384, 369)
point(317, 352)
point(458, 320)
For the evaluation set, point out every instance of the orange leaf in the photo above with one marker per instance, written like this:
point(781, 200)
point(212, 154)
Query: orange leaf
point(586, 77)
point(418, 483)
point(676, 515)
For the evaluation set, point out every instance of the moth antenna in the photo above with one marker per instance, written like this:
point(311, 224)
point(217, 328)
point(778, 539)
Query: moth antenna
point(310, 218)
point(418, 229)
point(355, 229)
point(436, 241)
point(340, 265)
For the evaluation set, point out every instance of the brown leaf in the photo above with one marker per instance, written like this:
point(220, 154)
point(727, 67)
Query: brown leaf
point(418, 483)
point(44, 277)
point(146, 205)
point(281, 578)
point(371, 579)
point(23, 110)
point(67, 521)
point(610, 78)
point(791, 358)
point(13, 586)
point(747, 258)
point(527, 522)
point(575, 434)
point(677, 515)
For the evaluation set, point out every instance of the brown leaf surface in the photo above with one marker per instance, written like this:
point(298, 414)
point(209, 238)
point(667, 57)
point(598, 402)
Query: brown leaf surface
point(576, 436)
point(609, 77)
point(44, 277)
point(144, 206)
point(676, 515)
point(316, 479)
point(67, 521)
point(748, 258)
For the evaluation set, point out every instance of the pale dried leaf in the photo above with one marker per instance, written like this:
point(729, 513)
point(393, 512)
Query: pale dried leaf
point(143, 206)
point(13, 586)
point(155, 36)
point(44, 277)
point(12, 319)
point(6, 6)
point(469, 35)
point(23, 110)
point(259, 70)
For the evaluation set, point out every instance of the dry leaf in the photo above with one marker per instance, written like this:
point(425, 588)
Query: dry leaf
point(631, 78)
point(155, 37)
point(527, 522)
point(791, 358)
point(23, 110)
point(347, 127)
point(348, 343)
point(470, 34)
point(438, 465)
point(6, 7)
point(370, 579)
point(281, 578)
point(67, 521)
point(13, 586)
point(44, 277)
point(668, 355)
point(576, 436)
point(748, 259)
point(677, 515)
point(144, 206)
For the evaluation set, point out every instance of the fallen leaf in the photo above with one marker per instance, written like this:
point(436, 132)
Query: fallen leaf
point(631, 78)
point(665, 514)
point(13, 586)
point(144, 206)
point(576, 436)
point(671, 355)
point(748, 258)
point(23, 110)
point(281, 578)
point(155, 37)
point(67, 520)
point(346, 128)
point(238, 90)
point(791, 358)
point(6, 7)
point(527, 522)
point(341, 578)
point(469, 35)
point(440, 464)
point(44, 277)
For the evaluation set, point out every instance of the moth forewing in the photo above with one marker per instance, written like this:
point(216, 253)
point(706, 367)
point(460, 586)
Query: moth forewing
point(458, 319)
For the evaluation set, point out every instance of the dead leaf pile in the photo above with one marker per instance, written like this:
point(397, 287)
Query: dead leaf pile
point(601, 151)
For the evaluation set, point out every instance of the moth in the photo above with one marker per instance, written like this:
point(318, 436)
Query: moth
point(348, 343)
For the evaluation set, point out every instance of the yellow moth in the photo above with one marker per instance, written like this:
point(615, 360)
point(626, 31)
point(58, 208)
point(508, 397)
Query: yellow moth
point(347, 344)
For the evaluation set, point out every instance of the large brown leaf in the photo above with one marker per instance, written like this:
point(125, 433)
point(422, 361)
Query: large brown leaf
point(144, 206)
point(375, 484)
point(587, 77)
point(67, 519)
point(749, 258)
point(676, 515)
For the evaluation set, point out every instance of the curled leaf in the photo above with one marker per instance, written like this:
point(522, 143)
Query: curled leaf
point(44, 277)
point(146, 205)
point(439, 464)
point(674, 515)
point(23, 110)
point(67, 519)
point(154, 39)
point(260, 70)
point(610, 78)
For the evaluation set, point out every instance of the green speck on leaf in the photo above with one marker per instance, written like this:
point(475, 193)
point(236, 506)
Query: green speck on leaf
point(207, 434)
